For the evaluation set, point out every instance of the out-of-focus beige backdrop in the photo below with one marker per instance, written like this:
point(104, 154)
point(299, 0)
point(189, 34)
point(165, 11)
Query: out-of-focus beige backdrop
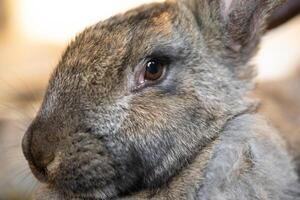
point(33, 34)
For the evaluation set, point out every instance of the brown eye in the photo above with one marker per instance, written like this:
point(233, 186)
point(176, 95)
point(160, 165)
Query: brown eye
point(150, 73)
point(154, 70)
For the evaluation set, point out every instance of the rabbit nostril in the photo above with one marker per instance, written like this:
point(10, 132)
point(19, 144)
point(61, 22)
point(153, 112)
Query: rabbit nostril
point(47, 159)
point(27, 151)
point(39, 152)
point(39, 162)
point(42, 159)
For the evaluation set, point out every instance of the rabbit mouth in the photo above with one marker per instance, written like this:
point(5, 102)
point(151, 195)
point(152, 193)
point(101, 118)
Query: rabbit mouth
point(40, 174)
point(53, 166)
point(45, 175)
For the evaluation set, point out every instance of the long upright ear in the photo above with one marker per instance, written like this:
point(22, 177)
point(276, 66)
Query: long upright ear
point(232, 28)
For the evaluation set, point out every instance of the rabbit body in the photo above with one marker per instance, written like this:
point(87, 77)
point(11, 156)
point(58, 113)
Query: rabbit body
point(105, 132)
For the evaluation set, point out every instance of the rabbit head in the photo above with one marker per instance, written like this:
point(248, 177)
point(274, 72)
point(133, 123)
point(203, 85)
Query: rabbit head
point(134, 98)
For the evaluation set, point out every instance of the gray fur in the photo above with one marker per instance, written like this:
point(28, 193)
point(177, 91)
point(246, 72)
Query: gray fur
point(193, 135)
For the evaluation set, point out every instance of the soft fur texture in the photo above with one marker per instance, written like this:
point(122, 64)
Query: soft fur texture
point(193, 135)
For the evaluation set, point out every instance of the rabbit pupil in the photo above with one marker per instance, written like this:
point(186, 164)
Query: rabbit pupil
point(152, 67)
point(154, 70)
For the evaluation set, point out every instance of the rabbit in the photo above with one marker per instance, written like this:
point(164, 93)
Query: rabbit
point(153, 104)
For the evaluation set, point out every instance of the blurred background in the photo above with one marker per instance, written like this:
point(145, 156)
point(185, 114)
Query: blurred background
point(33, 34)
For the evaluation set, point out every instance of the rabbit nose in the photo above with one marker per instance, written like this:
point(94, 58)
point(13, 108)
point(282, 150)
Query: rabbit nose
point(39, 150)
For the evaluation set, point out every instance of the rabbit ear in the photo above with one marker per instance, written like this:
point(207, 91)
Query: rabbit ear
point(232, 28)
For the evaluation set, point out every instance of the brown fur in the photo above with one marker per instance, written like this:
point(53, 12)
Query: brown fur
point(190, 135)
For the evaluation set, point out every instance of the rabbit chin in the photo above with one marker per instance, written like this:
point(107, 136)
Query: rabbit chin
point(60, 186)
point(59, 189)
point(49, 192)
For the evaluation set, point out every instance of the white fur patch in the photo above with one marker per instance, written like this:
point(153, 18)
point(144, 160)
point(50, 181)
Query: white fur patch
point(227, 6)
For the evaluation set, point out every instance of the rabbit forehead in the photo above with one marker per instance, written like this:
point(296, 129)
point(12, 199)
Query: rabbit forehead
point(104, 54)
point(123, 36)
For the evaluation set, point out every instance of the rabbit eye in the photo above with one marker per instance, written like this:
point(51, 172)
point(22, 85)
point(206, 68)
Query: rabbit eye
point(150, 73)
point(154, 70)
